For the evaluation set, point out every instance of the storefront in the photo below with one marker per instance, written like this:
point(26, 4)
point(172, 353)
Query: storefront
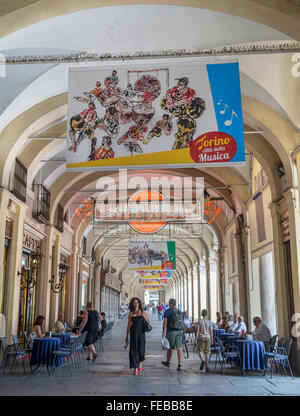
point(110, 297)
point(29, 275)
point(5, 267)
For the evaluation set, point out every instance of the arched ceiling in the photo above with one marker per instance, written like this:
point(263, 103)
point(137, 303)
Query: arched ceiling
point(34, 97)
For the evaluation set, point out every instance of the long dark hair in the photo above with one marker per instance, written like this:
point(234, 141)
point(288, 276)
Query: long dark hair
point(131, 304)
point(39, 320)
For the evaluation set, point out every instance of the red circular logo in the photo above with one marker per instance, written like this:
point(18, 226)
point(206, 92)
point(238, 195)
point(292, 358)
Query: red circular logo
point(168, 265)
point(213, 147)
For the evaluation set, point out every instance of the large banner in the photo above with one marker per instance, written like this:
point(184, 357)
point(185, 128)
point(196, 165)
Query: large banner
point(152, 255)
point(153, 274)
point(171, 114)
point(155, 287)
point(153, 281)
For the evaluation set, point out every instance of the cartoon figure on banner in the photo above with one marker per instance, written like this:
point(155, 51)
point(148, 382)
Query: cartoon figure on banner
point(165, 125)
point(83, 125)
point(105, 151)
point(85, 210)
point(181, 102)
point(133, 136)
point(133, 104)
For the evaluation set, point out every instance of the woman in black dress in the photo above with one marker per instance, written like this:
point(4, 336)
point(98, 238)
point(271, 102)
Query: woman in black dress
point(90, 323)
point(137, 335)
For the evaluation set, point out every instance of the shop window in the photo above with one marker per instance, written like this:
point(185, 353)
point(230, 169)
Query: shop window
point(59, 218)
point(20, 181)
point(41, 210)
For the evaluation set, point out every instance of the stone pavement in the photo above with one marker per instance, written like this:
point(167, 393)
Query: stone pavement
point(110, 375)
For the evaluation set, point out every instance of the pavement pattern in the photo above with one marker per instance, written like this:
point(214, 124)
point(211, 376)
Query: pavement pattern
point(110, 375)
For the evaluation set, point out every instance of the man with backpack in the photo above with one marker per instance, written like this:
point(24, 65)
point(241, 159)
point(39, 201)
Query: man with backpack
point(173, 330)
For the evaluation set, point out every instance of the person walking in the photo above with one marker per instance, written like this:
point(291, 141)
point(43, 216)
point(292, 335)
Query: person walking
point(173, 330)
point(160, 312)
point(135, 328)
point(90, 323)
point(205, 338)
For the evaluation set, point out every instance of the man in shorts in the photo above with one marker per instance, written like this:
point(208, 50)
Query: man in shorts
point(173, 330)
point(205, 338)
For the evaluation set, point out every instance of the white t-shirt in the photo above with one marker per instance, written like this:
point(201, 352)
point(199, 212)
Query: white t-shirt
point(262, 333)
point(205, 326)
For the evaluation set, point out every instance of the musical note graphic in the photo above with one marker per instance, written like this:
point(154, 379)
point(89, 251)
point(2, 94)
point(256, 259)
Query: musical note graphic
point(224, 109)
point(219, 102)
point(229, 122)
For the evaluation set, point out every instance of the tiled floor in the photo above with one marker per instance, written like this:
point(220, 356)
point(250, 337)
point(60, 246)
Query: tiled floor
point(110, 375)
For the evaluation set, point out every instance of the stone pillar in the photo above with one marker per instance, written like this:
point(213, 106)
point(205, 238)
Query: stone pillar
point(279, 263)
point(193, 294)
point(242, 302)
point(208, 298)
point(54, 297)
point(235, 298)
point(182, 292)
point(199, 290)
point(13, 293)
point(266, 272)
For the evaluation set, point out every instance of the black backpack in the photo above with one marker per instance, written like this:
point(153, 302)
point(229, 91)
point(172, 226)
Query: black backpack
point(176, 320)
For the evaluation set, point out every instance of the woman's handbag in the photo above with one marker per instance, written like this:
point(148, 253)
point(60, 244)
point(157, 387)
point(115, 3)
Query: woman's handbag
point(146, 326)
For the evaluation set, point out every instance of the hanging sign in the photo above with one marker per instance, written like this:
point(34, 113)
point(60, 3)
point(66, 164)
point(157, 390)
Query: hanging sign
point(154, 287)
point(158, 115)
point(154, 274)
point(153, 281)
point(152, 255)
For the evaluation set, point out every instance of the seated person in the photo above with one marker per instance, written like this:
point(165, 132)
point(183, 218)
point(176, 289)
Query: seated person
point(225, 324)
point(240, 327)
point(78, 321)
point(59, 325)
point(230, 320)
point(235, 322)
point(103, 323)
point(261, 332)
point(186, 320)
point(37, 328)
point(219, 320)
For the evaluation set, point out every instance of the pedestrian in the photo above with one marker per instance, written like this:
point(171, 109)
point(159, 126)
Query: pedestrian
point(204, 336)
point(160, 312)
point(90, 323)
point(173, 330)
point(135, 328)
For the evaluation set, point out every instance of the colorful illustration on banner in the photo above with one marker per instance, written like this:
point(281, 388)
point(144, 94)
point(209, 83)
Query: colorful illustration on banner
point(158, 255)
point(154, 274)
point(152, 115)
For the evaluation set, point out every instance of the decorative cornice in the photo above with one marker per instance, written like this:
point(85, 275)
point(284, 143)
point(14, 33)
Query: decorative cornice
point(242, 49)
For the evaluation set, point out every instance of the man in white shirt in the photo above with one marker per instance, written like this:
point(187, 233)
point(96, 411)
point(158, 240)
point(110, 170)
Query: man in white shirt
point(261, 332)
point(235, 322)
point(240, 327)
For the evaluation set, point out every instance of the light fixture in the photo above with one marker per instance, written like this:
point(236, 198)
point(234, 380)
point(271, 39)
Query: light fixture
point(62, 271)
point(28, 274)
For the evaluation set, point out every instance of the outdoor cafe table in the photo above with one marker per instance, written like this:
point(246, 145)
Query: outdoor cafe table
point(42, 352)
point(218, 332)
point(252, 355)
point(63, 337)
point(226, 338)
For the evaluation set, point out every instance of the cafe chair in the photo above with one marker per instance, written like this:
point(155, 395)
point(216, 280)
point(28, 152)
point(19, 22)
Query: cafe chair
point(217, 349)
point(68, 354)
point(279, 355)
point(11, 352)
point(231, 353)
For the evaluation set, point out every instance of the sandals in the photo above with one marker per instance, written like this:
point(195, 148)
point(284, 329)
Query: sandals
point(135, 373)
point(140, 368)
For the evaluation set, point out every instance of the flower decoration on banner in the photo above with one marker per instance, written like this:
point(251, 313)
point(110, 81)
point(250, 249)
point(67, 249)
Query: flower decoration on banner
point(211, 209)
point(85, 210)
